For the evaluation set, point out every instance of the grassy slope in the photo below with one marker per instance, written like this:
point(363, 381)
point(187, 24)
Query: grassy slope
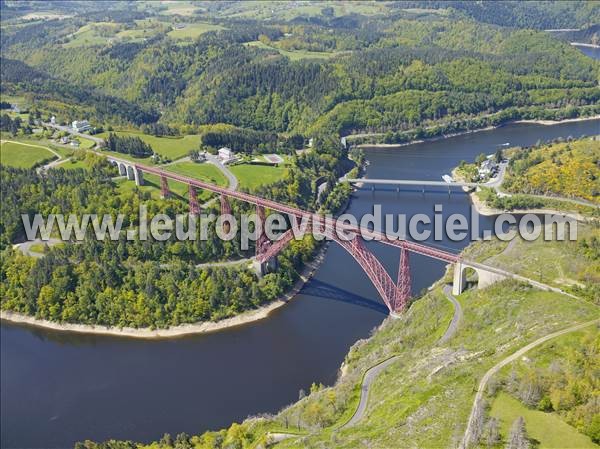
point(424, 398)
point(204, 172)
point(556, 263)
point(547, 428)
point(296, 54)
point(22, 156)
point(566, 169)
point(252, 176)
point(172, 147)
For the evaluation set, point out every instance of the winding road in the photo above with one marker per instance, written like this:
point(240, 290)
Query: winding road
point(372, 373)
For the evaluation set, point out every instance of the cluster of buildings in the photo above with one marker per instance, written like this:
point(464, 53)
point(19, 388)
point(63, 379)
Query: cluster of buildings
point(78, 126)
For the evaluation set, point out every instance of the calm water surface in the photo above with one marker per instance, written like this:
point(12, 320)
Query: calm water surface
point(58, 388)
point(592, 52)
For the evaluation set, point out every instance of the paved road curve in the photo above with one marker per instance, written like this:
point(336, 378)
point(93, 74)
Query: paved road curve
point(373, 372)
point(233, 182)
point(456, 318)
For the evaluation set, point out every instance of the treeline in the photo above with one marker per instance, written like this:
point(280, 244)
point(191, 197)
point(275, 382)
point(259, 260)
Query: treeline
point(159, 129)
point(131, 145)
point(450, 125)
point(240, 139)
point(13, 125)
point(391, 74)
point(538, 15)
point(248, 140)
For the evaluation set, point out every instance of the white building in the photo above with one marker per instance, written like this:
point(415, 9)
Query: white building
point(80, 126)
point(53, 120)
point(486, 167)
point(226, 154)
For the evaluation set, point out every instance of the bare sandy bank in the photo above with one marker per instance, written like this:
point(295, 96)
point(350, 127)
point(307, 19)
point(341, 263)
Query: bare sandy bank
point(471, 131)
point(583, 44)
point(184, 329)
point(558, 122)
point(429, 139)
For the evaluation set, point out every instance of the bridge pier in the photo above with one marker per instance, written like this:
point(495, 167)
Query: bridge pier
point(485, 278)
point(122, 169)
point(262, 268)
point(193, 200)
point(138, 176)
point(164, 187)
point(129, 172)
point(460, 280)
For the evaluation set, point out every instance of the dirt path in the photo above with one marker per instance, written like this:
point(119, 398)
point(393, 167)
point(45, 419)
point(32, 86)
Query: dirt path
point(477, 403)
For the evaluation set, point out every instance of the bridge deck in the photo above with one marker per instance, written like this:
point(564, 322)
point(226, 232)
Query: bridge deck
point(411, 182)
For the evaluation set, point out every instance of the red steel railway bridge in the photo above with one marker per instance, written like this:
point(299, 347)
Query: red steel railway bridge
point(395, 293)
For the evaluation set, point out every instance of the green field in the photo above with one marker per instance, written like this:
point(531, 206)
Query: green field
point(93, 34)
point(265, 10)
point(128, 157)
point(296, 54)
point(203, 172)
point(193, 30)
point(152, 185)
point(73, 164)
point(172, 147)
point(547, 428)
point(181, 8)
point(23, 155)
point(252, 176)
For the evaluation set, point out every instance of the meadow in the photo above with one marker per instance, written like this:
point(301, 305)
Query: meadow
point(171, 147)
point(547, 428)
point(203, 172)
point(252, 176)
point(23, 155)
point(296, 54)
point(192, 30)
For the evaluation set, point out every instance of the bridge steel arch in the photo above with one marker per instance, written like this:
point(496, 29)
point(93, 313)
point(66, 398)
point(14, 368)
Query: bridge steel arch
point(394, 294)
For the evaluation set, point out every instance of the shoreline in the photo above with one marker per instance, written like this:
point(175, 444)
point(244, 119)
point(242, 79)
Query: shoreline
point(182, 330)
point(487, 211)
point(583, 44)
point(472, 131)
point(558, 122)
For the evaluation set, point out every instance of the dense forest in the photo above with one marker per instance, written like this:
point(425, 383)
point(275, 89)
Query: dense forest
point(383, 74)
point(123, 283)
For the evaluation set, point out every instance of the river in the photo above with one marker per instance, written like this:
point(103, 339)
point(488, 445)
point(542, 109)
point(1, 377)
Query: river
point(58, 388)
point(592, 52)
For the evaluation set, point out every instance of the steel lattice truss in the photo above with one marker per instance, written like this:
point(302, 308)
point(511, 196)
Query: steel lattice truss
point(193, 200)
point(164, 187)
point(395, 295)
